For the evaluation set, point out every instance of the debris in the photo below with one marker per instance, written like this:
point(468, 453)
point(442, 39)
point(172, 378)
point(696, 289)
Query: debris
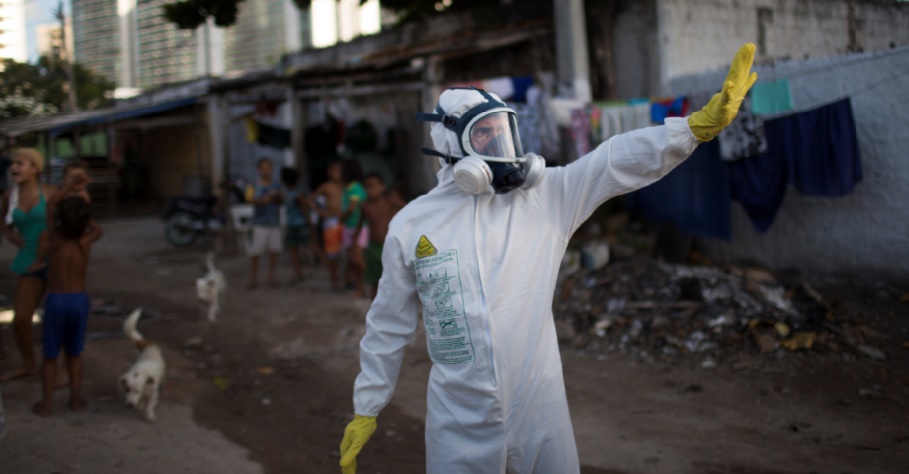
point(799, 340)
point(782, 329)
point(765, 341)
point(871, 352)
point(595, 255)
point(718, 314)
point(221, 382)
point(872, 393)
point(266, 401)
point(265, 370)
point(194, 342)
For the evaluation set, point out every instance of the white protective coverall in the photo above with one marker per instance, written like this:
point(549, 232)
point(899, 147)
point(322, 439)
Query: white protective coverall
point(484, 268)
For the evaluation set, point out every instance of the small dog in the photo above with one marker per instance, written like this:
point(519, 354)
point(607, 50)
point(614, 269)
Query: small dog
point(143, 380)
point(210, 287)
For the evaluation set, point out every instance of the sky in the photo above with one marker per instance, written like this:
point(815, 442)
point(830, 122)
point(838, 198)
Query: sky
point(36, 13)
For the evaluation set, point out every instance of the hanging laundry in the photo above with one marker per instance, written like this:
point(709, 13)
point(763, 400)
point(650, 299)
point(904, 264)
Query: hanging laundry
point(745, 136)
point(520, 85)
point(595, 116)
point(273, 136)
point(500, 86)
point(529, 116)
point(821, 149)
point(580, 131)
point(695, 196)
point(252, 129)
point(817, 151)
point(759, 184)
point(660, 110)
point(771, 97)
point(621, 117)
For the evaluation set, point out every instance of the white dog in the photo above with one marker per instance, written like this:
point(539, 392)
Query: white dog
point(143, 380)
point(210, 287)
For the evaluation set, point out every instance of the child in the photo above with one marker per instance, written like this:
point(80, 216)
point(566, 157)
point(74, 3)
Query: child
point(331, 192)
point(70, 235)
point(77, 171)
point(378, 210)
point(266, 224)
point(354, 241)
point(25, 208)
point(296, 234)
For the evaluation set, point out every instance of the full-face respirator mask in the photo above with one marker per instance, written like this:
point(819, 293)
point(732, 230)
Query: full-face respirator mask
point(491, 147)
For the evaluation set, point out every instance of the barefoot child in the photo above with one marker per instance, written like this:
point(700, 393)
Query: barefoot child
point(296, 234)
point(70, 235)
point(25, 209)
point(266, 222)
point(378, 210)
point(332, 193)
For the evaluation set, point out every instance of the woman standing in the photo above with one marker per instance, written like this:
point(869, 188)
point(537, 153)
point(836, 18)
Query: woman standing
point(28, 220)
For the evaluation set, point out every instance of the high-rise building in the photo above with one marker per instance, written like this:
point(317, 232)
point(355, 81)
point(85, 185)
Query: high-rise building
point(12, 30)
point(50, 39)
point(265, 30)
point(130, 42)
point(96, 39)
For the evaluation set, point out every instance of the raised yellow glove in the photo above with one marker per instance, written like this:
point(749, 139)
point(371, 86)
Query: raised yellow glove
point(356, 435)
point(708, 122)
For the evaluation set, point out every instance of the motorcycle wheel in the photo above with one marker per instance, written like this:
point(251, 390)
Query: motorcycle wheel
point(180, 229)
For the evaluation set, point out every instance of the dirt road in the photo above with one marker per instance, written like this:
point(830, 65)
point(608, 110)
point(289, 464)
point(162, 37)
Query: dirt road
point(267, 388)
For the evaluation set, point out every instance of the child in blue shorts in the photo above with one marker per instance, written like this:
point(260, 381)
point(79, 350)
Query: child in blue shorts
point(70, 233)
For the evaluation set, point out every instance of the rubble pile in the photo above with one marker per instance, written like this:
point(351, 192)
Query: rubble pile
point(642, 307)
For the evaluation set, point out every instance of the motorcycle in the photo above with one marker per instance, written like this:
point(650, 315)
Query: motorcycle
point(188, 218)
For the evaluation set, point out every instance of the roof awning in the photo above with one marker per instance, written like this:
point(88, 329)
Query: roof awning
point(125, 113)
point(62, 123)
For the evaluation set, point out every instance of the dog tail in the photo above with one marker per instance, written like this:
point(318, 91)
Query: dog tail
point(210, 261)
point(129, 326)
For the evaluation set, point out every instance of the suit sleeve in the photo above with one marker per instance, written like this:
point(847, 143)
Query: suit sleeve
point(624, 163)
point(391, 324)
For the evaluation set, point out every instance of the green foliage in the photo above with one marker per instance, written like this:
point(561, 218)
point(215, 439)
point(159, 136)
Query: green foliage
point(38, 89)
point(190, 14)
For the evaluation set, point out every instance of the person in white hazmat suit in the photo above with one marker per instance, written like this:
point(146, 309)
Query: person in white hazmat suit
point(480, 252)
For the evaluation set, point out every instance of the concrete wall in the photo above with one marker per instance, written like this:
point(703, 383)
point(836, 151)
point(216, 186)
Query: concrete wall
point(702, 35)
point(865, 234)
point(175, 153)
point(635, 48)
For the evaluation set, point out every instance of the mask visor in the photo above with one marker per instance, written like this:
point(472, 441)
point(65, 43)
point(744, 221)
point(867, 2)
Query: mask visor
point(494, 137)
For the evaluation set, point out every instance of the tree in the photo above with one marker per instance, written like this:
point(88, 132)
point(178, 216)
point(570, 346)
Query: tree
point(190, 14)
point(38, 89)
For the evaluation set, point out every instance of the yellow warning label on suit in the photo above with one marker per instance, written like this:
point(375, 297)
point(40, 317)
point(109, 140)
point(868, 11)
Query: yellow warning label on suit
point(425, 248)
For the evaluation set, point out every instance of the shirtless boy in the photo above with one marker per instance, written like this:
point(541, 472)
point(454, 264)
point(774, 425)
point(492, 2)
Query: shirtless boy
point(332, 192)
point(70, 235)
point(378, 210)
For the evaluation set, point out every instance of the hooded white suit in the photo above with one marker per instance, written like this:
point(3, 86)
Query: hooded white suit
point(484, 268)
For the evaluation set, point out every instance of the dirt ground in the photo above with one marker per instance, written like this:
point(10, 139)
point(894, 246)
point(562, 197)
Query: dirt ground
point(267, 388)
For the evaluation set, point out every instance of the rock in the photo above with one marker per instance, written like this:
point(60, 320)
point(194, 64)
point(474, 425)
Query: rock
point(595, 255)
point(766, 342)
point(871, 352)
point(194, 342)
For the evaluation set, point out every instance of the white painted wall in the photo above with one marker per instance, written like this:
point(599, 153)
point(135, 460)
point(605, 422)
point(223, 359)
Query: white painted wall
point(865, 234)
point(697, 35)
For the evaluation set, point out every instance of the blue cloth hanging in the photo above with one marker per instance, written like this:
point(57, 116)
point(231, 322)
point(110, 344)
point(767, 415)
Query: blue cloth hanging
point(821, 149)
point(695, 196)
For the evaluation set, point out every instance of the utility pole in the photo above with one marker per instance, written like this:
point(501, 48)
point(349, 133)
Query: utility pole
point(573, 67)
point(67, 64)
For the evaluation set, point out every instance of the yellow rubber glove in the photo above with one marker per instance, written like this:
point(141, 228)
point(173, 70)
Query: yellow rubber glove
point(708, 122)
point(356, 435)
